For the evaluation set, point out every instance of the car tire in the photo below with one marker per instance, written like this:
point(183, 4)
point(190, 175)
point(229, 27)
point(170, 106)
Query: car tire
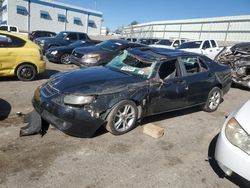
point(26, 72)
point(213, 101)
point(122, 118)
point(65, 59)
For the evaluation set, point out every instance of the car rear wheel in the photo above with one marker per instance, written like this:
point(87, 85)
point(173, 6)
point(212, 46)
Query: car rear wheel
point(65, 59)
point(213, 100)
point(26, 72)
point(122, 118)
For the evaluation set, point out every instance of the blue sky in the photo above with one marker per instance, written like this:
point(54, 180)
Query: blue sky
point(122, 12)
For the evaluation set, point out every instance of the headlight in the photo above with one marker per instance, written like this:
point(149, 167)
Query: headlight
point(78, 100)
point(54, 52)
point(91, 58)
point(237, 136)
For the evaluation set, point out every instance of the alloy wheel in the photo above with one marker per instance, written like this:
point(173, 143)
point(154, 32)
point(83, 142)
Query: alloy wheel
point(214, 100)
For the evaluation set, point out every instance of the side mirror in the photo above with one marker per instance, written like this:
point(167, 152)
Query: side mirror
point(175, 45)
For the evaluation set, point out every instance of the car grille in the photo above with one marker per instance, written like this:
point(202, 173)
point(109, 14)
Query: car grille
point(49, 91)
point(78, 55)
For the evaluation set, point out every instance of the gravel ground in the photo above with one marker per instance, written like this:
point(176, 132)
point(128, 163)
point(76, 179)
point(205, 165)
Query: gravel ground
point(178, 159)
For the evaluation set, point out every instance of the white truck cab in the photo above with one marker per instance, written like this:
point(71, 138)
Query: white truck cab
point(168, 43)
point(9, 28)
point(209, 48)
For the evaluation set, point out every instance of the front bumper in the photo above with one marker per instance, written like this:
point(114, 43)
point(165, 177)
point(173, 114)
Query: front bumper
point(72, 121)
point(230, 158)
point(53, 58)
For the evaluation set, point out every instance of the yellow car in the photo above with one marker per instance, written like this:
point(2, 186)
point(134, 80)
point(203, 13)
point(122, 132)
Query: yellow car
point(20, 57)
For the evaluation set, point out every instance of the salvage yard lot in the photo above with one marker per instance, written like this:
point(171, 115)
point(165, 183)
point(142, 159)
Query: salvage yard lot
point(178, 159)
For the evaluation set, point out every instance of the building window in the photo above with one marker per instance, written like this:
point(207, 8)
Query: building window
point(77, 21)
point(61, 18)
point(45, 15)
point(21, 10)
point(92, 24)
point(3, 9)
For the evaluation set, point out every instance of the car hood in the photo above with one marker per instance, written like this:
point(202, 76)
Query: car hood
point(95, 81)
point(92, 50)
point(242, 116)
point(61, 48)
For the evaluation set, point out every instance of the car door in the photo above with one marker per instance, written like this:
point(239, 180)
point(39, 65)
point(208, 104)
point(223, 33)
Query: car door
point(198, 78)
point(168, 91)
point(207, 49)
point(6, 63)
point(215, 49)
point(71, 37)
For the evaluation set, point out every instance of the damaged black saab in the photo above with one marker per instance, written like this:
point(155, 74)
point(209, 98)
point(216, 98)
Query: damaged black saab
point(138, 82)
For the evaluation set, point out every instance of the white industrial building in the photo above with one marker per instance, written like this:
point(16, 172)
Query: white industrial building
point(30, 15)
point(227, 29)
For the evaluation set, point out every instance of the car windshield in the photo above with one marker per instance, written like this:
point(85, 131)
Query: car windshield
point(109, 45)
point(76, 44)
point(165, 42)
point(194, 44)
point(61, 35)
point(131, 64)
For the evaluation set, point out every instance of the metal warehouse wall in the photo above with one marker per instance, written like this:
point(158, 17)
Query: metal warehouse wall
point(228, 29)
point(54, 9)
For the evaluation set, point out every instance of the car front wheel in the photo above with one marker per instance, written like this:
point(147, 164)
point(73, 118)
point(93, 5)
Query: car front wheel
point(65, 59)
point(213, 101)
point(26, 72)
point(122, 118)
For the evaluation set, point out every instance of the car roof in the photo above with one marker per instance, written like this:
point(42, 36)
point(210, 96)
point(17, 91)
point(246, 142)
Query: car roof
point(119, 41)
point(22, 36)
point(158, 54)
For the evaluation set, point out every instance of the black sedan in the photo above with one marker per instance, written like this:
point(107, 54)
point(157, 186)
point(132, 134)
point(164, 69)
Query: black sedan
point(100, 54)
point(137, 83)
point(61, 54)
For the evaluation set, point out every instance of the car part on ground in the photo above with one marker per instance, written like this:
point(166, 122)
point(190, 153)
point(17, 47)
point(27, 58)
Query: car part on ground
point(137, 83)
point(61, 54)
point(233, 145)
point(238, 58)
point(20, 57)
point(101, 53)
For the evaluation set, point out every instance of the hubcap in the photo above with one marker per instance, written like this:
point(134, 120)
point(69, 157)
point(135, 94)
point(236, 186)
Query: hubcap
point(26, 72)
point(214, 100)
point(65, 59)
point(124, 118)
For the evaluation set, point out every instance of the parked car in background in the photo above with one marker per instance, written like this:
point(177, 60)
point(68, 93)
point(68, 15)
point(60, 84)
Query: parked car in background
point(101, 53)
point(19, 57)
point(61, 54)
point(61, 39)
point(232, 150)
point(209, 48)
point(9, 28)
point(138, 82)
point(147, 41)
point(36, 34)
point(131, 39)
point(168, 43)
point(238, 58)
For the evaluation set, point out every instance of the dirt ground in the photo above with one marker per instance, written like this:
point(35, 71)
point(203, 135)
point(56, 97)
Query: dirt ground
point(181, 158)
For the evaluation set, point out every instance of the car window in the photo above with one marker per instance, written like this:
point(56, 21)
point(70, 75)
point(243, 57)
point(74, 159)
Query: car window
point(194, 44)
point(206, 45)
point(213, 44)
point(14, 29)
point(82, 36)
point(203, 66)
point(190, 64)
point(72, 36)
point(168, 70)
point(4, 28)
point(10, 41)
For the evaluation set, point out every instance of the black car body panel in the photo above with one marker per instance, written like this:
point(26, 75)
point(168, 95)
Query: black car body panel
point(78, 56)
point(108, 86)
point(238, 58)
point(39, 33)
